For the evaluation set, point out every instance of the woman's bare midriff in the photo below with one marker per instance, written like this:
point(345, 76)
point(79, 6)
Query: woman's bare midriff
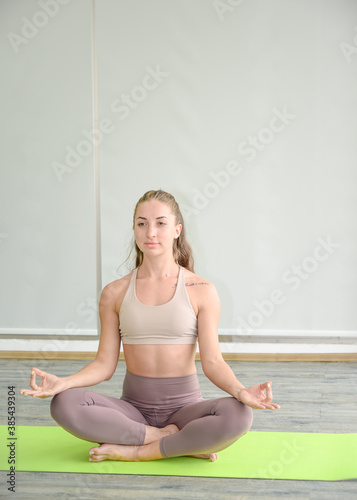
point(160, 360)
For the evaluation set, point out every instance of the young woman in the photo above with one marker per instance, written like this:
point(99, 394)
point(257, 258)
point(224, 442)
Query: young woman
point(158, 312)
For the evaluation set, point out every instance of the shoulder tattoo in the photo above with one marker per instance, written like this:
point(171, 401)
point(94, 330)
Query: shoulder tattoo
point(191, 284)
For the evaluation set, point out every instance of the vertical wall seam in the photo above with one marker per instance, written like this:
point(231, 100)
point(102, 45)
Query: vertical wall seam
point(96, 163)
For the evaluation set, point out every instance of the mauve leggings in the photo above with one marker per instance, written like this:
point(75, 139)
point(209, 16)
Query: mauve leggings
point(206, 426)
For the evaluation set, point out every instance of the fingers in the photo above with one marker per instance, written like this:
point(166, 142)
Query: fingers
point(38, 372)
point(271, 406)
point(35, 394)
point(33, 385)
point(267, 402)
point(34, 373)
point(269, 392)
point(27, 392)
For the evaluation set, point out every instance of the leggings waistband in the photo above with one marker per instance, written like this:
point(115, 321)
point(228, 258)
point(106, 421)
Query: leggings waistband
point(161, 391)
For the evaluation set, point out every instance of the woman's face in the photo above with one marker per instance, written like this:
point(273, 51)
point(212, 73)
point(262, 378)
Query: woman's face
point(155, 228)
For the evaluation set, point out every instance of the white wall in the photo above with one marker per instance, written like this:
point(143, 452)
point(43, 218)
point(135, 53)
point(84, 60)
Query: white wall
point(47, 221)
point(244, 110)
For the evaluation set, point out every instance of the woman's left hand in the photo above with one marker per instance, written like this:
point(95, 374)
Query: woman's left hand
point(255, 397)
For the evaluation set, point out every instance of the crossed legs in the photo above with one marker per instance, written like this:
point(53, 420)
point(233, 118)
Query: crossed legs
point(198, 429)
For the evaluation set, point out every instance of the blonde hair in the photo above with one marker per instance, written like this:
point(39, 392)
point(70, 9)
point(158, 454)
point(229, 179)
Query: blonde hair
point(181, 249)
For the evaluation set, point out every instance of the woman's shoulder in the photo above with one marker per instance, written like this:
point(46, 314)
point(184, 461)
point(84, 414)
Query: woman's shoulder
point(116, 289)
point(200, 285)
point(193, 279)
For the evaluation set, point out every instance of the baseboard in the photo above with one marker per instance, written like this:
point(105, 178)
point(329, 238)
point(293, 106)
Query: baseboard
point(229, 356)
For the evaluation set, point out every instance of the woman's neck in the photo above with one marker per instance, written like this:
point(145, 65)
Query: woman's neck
point(158, 270)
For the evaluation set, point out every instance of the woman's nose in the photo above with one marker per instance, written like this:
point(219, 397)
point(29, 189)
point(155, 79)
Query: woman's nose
point(151, 231)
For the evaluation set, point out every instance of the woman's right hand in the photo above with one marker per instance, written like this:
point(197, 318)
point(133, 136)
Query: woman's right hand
point(49, 386)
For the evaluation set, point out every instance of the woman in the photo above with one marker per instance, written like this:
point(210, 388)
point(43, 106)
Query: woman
point(158, 311)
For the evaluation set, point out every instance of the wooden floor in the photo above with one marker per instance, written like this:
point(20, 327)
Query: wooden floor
point(314, 397)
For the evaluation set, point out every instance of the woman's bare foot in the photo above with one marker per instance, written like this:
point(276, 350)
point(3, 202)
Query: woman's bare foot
point(135, 453)
point(155, 433)
point(114, 452)
point(210, 456)
point(127, 453)
point(130, 453)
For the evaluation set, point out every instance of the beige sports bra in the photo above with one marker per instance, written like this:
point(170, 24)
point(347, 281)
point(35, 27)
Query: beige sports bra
point(174, 322)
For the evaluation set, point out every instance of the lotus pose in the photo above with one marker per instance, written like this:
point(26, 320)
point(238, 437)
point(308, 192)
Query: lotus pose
point(158, 312)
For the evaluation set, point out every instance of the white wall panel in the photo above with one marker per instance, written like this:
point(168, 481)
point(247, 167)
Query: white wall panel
point(261, 88)
point(47, 186)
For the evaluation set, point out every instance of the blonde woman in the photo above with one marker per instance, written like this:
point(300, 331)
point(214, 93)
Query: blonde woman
point(158, 312)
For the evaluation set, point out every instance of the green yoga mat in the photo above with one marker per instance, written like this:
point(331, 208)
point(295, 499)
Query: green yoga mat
point(271, 455)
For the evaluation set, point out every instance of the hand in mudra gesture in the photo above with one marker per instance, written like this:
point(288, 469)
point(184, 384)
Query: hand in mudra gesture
point(49, 386)
point(255, 397)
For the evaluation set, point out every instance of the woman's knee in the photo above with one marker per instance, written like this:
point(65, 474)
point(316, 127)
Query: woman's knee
point(62, 404)
point(238, 417)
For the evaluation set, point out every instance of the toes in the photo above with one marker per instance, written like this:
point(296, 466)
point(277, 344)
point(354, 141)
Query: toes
point(96, 457)
point(95, 454)
point(209, 456)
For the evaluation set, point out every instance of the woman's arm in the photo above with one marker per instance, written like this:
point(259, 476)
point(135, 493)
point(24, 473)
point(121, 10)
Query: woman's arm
point(104, 364)
point(213, 364)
